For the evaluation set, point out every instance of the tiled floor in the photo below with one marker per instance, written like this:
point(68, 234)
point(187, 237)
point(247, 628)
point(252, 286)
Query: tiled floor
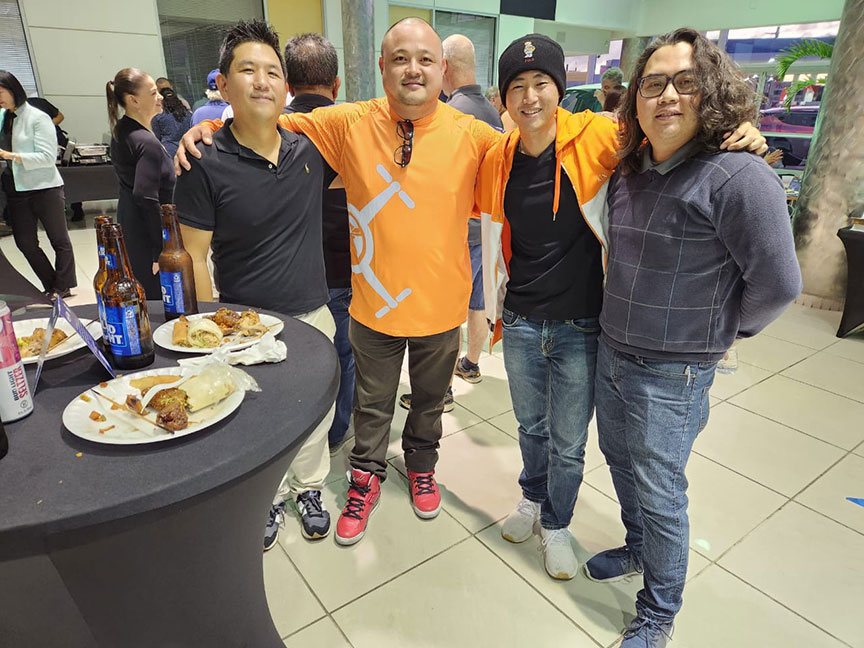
point(777, 550)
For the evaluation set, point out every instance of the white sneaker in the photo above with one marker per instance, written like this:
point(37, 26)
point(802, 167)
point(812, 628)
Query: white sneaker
point(558, 556)
point(519, 525)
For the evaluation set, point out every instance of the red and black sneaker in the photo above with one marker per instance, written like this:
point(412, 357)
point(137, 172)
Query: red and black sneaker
point(425, 496)
point(364, 491)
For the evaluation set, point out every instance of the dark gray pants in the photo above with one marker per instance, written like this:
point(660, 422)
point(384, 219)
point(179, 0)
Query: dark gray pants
point(377, 365)
point(47, 206)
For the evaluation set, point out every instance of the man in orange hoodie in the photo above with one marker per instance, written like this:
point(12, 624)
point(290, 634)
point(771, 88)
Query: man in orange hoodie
point(549, 177)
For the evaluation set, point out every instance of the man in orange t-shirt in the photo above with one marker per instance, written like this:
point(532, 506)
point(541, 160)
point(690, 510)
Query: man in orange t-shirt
point(408, 163)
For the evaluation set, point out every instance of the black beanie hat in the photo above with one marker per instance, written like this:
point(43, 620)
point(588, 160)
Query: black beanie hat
point(531, 52)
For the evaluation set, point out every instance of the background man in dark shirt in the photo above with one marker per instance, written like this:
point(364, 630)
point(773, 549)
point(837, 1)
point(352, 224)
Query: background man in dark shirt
point(313, 80)
point(256, 197)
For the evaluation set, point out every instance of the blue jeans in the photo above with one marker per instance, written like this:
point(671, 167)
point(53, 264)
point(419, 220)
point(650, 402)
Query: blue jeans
point(648, 415)
point(340, 300)
point(550, 367)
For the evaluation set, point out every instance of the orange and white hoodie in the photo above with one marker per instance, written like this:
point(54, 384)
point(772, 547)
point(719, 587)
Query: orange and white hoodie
point(585, 146)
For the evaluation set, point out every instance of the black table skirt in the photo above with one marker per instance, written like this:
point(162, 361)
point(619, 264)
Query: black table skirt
point(151, 545)
point(853, 311)
point(89, 182)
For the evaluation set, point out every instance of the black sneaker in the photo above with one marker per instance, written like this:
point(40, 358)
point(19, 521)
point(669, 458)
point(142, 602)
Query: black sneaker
point(314, 520)
point(405, 400)
point(271, 531)
point(467, 370)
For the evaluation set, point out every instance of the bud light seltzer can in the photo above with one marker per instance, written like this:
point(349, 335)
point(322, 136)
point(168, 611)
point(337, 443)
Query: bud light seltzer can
point(16, 401)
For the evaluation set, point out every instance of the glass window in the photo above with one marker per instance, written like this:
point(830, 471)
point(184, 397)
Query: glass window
point(14, 54)
point(481, 31)
point(192, 31)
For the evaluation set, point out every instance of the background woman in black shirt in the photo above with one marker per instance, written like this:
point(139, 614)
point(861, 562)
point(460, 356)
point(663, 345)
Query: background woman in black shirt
point(144, 170)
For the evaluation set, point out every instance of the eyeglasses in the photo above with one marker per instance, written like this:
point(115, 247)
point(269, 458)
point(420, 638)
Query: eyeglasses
point(654, 85)
point(402, 154)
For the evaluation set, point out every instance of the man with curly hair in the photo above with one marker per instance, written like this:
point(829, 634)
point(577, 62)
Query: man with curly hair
point(701, 255)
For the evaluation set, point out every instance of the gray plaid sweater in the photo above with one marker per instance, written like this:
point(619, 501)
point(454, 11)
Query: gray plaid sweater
point(701, 252)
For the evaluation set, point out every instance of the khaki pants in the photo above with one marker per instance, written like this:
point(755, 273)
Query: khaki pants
point(312, 463)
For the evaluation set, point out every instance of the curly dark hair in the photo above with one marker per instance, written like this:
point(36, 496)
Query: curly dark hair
point(726, 98)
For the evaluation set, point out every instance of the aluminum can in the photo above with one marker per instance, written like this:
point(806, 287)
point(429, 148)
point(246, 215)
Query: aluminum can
point(16, 400)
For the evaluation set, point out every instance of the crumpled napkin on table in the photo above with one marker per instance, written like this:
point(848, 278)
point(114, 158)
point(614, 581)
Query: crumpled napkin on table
point(269, 349)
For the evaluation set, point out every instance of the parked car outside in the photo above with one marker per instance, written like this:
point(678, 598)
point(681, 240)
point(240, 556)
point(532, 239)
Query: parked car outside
point(790, 131)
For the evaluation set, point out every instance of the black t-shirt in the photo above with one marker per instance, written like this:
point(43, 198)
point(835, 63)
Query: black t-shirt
point(337, 247)
point(265, 219)
point(556, 268)
point(52, 111)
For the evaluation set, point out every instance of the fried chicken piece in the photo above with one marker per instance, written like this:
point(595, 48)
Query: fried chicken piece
point(225, 319)
point(57, 336)
point(250, 324)
point(165, 397)
point(173, 417)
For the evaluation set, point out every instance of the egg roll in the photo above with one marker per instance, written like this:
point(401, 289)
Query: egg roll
point(204, 334)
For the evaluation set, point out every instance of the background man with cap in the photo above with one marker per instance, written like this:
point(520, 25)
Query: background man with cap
point(549, 178)
point(215, 103)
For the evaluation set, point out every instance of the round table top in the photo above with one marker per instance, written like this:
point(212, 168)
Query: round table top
point(47, 488)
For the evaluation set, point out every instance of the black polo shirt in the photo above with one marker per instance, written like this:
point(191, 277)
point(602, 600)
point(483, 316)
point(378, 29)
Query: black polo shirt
point(265, 219)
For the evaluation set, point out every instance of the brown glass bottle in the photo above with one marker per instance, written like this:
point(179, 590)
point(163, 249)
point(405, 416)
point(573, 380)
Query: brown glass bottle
point(176, 274)
point(127, 325)
point(101, 273)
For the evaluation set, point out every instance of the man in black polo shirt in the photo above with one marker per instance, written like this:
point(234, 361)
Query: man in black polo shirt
point(312, 72)
point(255, 197)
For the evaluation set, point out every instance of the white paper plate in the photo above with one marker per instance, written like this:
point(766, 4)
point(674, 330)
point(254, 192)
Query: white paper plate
point(129, 429)
point(164, 335)
point(25, 328)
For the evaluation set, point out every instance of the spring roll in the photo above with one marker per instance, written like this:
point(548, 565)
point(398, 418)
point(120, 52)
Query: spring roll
point(204, 334)
point(181, 332)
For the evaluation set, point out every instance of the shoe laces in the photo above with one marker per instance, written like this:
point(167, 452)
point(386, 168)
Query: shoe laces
point(277, 514)
point(556, 537)
point(652, 629)
point(424, 484)
point(311, 503)
point(528, 508)
point(355, 505)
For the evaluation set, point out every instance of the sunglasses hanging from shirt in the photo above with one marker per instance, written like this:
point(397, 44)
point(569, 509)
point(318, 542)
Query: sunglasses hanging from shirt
point(402, 154)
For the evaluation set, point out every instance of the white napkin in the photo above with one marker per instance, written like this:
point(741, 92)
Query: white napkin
point(269, 349)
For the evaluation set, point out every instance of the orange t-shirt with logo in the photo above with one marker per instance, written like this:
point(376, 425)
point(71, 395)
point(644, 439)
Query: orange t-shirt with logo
point(408, 226)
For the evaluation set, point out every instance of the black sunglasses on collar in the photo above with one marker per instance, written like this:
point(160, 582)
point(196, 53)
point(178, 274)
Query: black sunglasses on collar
point(402, 154)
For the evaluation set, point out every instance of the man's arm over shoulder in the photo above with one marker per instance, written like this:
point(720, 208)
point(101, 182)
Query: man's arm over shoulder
point(327, 127)
point(752, 220)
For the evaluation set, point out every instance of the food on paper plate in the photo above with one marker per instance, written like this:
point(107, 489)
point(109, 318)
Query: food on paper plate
point(97, 416)
point(31, 345)
point(180, 335)
point(214, 383)
point(204, 334)
point(225, 319)
point(143, 384)
point(250, 324)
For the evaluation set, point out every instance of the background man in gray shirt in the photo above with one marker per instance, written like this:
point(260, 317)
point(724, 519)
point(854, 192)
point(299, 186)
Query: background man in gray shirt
point(701, 253)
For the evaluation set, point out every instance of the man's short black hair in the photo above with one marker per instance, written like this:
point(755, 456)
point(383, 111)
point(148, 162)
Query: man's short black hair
point(164, 79)
point(248, 31)
point(310, 61)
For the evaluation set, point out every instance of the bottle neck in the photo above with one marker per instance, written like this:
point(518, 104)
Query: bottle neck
point(171, 238)
point(100, 247)
point(116, 259)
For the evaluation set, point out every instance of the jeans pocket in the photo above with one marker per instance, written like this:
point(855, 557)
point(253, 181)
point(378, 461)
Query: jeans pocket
point(585, 324)
point(509, 318)
point(677, 370)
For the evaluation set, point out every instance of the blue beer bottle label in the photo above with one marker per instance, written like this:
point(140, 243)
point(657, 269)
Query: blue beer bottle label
point(164, 234)
point(121, 327)
point(111, 261)
point(172, 292)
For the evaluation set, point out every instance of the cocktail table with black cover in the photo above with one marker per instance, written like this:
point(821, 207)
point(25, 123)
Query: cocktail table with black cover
point(151, 546)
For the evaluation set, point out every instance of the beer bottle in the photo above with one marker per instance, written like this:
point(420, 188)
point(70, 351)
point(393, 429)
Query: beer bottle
point(127, 325)
point(176, 274)
point(101, 273)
